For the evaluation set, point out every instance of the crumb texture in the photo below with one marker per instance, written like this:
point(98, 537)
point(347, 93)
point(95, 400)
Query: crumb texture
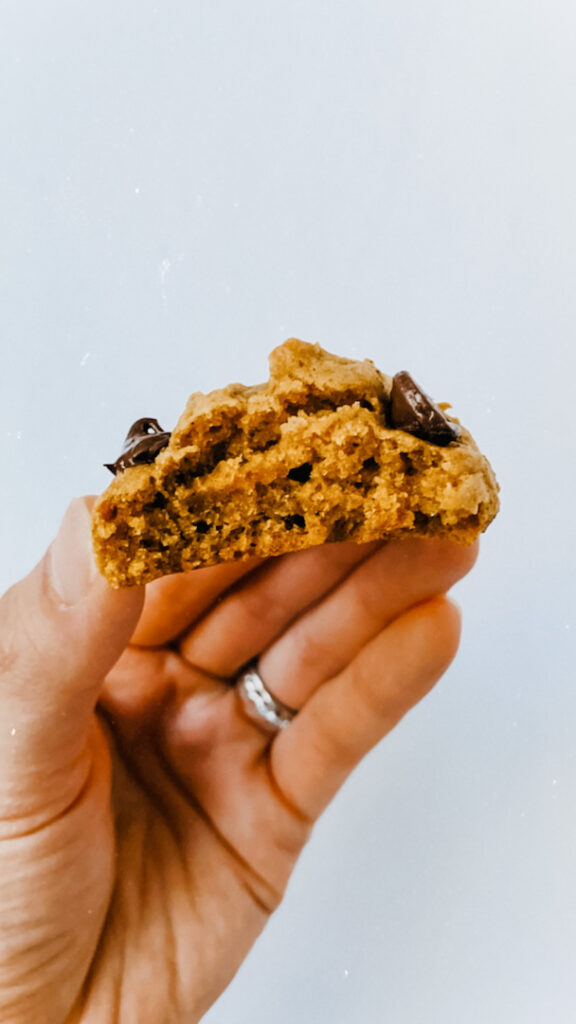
point(305, 459)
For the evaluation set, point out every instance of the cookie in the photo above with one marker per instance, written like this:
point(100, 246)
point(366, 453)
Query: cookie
point(329, 449)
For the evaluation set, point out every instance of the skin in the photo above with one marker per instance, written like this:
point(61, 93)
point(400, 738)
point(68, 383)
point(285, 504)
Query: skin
point(148, 829)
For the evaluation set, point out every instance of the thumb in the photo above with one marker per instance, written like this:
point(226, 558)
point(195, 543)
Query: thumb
point(61, 630)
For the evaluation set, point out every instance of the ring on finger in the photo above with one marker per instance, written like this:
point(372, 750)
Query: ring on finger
point(259, 704)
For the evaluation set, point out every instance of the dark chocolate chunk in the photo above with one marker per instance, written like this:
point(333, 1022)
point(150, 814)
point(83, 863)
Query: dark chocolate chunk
point(413, 411)
point(144, 441)
point(301, 473)
point(295, 520)
point(202, 526)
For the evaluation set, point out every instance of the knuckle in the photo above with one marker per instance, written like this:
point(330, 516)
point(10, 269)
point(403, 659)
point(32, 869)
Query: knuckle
point(332, 737)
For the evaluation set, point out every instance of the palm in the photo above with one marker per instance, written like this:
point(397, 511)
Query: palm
point(207, 847)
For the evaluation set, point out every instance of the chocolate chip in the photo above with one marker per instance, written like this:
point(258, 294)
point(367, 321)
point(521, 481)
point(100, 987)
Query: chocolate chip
point(296, 520)
point(160, 501)
point(202, 526)
point(301, 473)
point(413, 411)
point(144, 441)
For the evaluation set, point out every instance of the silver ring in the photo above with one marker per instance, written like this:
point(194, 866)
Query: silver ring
point(261, 706)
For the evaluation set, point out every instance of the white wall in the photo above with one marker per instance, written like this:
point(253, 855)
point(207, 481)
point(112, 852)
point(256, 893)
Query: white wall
point(182, 186)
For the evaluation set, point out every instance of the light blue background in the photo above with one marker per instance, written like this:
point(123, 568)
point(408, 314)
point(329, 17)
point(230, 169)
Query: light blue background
point(185, 184)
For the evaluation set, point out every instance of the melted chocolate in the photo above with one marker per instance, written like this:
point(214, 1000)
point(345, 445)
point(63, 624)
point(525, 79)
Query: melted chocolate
point(143, 442)
point(410, 410)
point(413, 411)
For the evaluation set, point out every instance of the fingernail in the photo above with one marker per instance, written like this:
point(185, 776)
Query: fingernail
point(71, 567)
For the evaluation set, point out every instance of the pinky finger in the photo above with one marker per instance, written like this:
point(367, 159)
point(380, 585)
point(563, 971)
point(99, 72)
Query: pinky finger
point(348, 715)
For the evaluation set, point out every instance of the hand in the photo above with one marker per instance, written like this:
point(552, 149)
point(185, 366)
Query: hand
point(147, 828)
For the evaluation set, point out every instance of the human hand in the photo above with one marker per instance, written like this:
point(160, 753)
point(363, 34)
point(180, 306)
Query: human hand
point(147, 827)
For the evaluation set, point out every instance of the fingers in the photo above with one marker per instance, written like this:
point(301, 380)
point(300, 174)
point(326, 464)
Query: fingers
point(321, 642)
point(348, 715)
point(174, 603)
point(252, 615)
point(61, 630)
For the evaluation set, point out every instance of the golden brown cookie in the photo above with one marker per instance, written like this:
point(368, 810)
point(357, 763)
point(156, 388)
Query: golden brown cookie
point(328, 449)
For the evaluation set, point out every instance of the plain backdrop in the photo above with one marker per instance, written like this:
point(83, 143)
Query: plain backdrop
point(183, 185)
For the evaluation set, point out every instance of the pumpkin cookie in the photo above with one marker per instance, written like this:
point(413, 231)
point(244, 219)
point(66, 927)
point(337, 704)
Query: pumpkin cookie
point(329, 449)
